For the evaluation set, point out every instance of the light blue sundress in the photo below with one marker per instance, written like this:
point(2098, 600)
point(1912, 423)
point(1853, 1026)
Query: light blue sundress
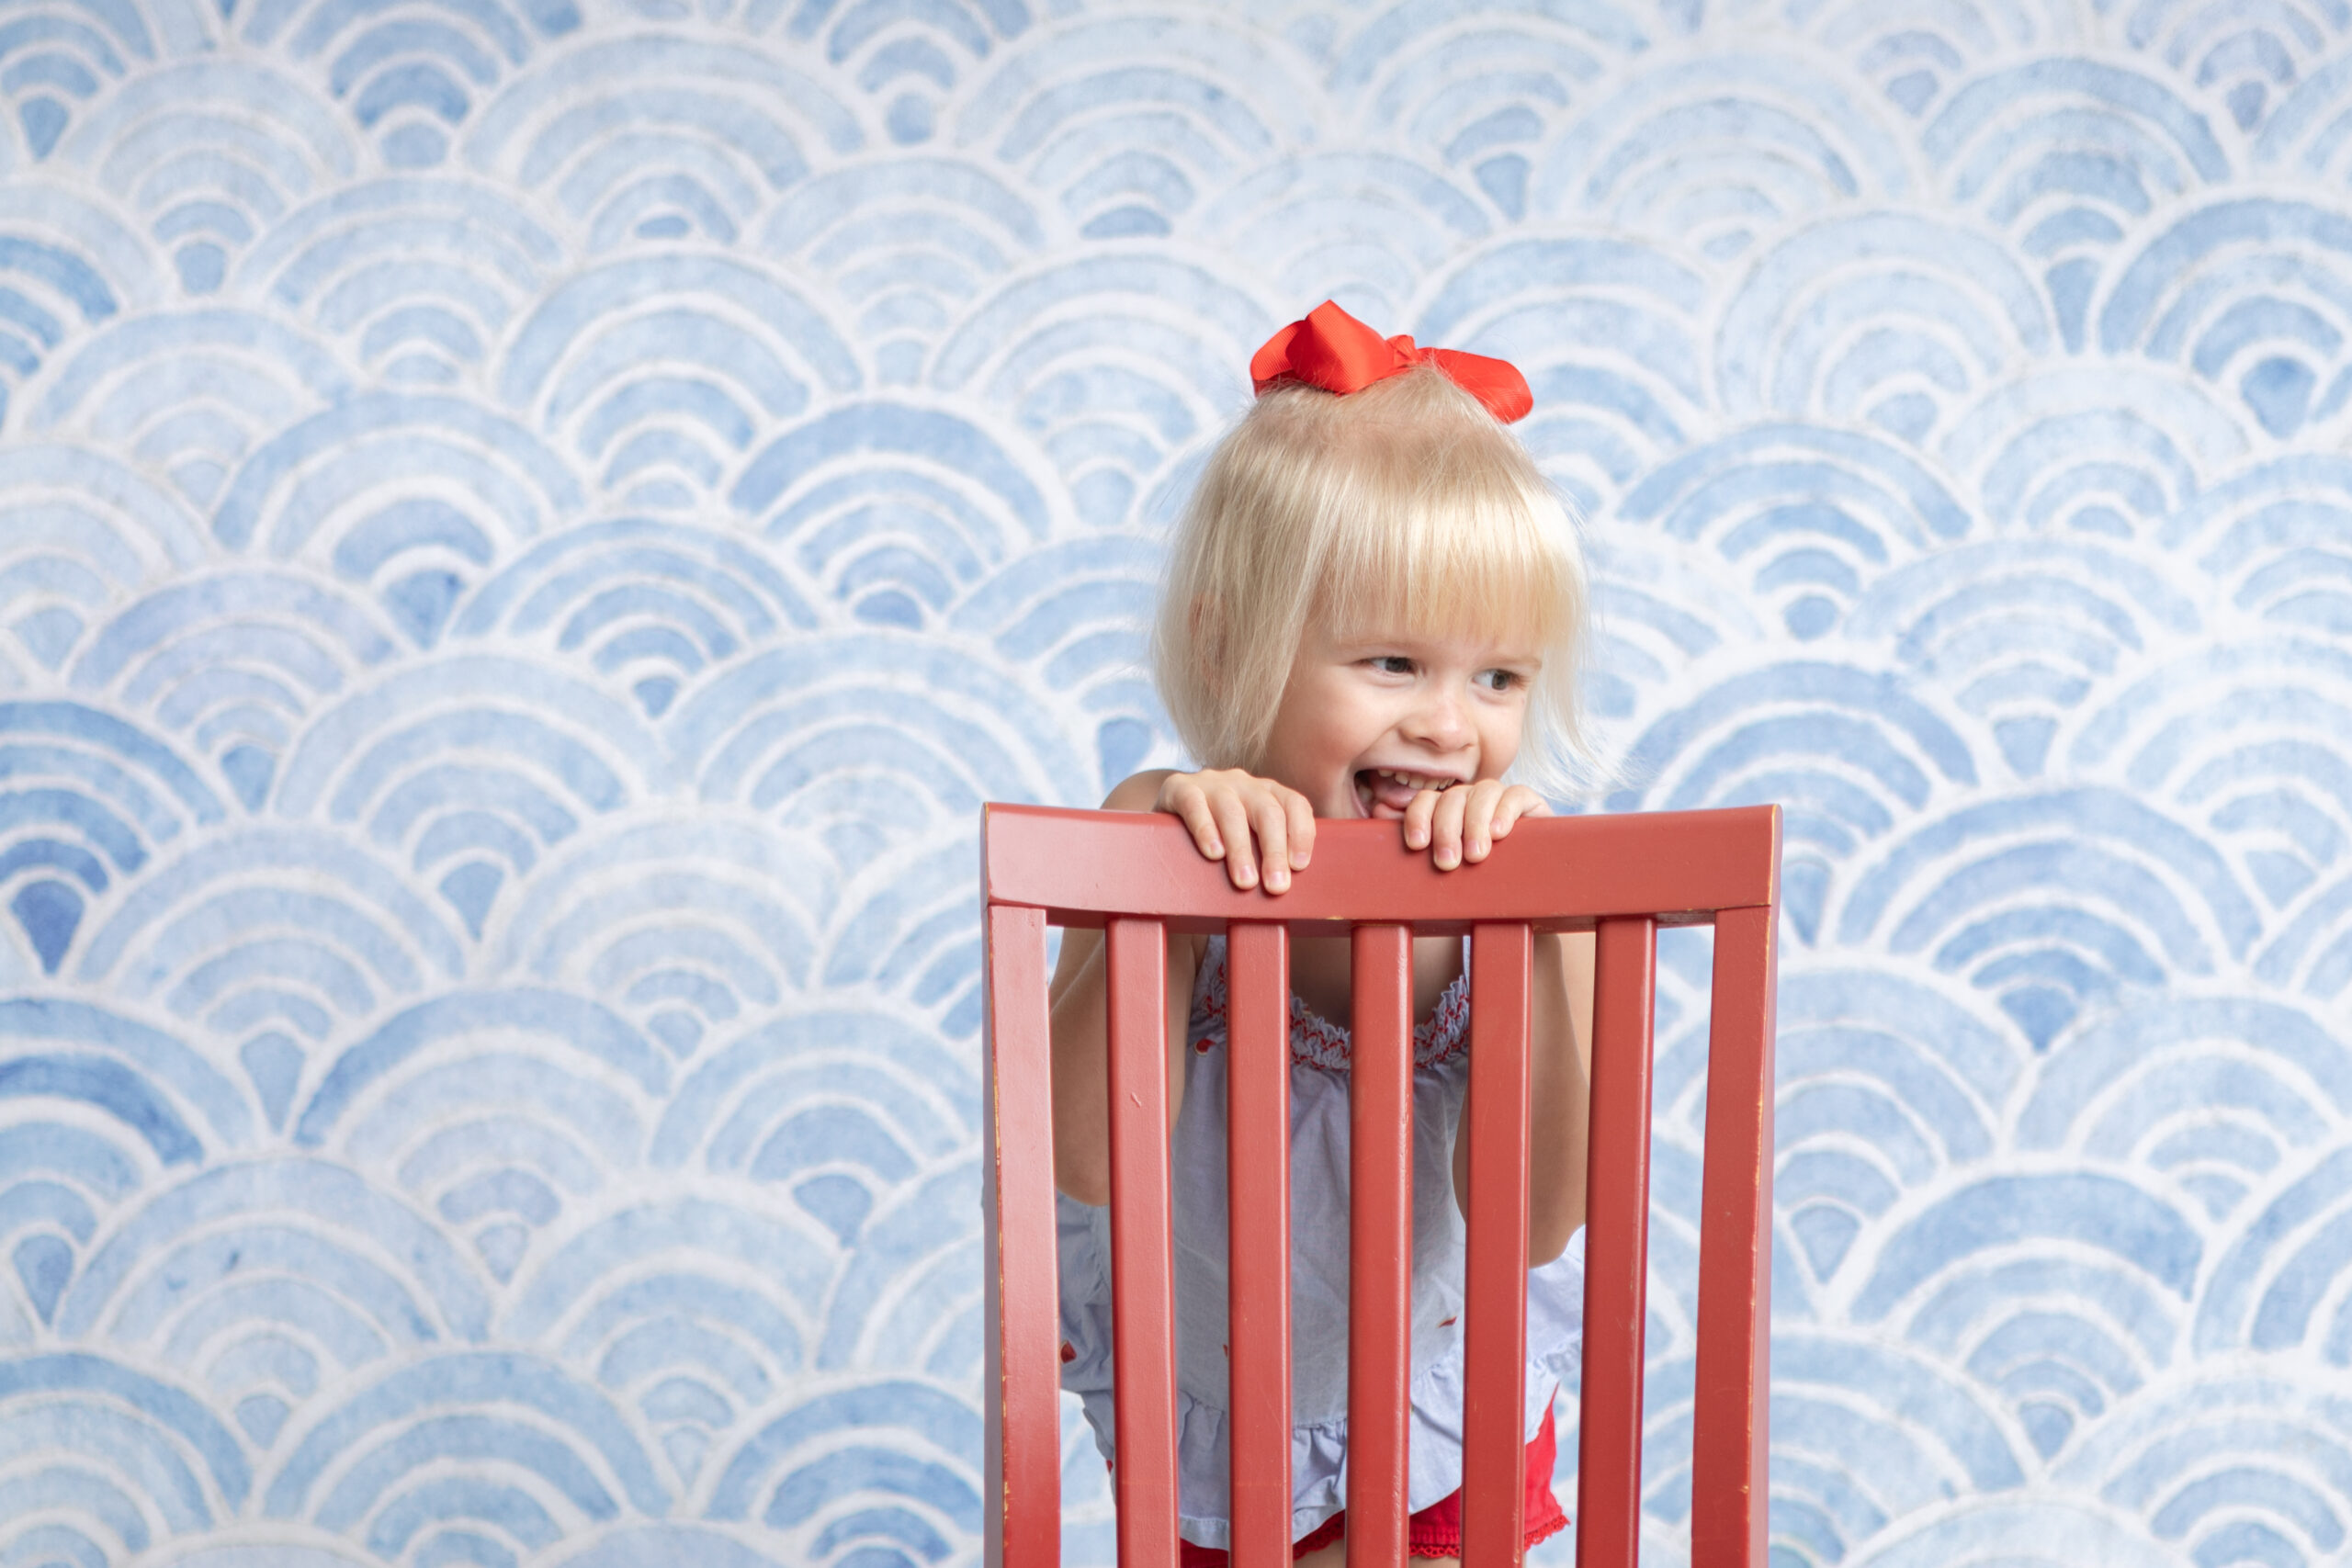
point(1318, 1112)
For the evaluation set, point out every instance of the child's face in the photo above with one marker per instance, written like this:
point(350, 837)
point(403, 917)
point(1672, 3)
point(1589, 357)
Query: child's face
point(1366, 722)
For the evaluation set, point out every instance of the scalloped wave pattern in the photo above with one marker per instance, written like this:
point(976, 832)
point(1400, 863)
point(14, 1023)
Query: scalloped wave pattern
point(528, 527)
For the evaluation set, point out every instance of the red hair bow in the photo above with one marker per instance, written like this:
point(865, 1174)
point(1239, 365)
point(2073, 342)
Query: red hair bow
point(1332, 350)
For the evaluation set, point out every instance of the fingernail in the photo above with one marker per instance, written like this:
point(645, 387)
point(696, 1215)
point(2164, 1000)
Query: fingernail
point(1213, 848)
point(1298, 860)
point(1245, 877)
point(1277, 879)
point(1446, 861)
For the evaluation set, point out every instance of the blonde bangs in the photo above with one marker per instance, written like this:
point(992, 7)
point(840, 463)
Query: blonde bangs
point(1405, 506)
point(1441, 553)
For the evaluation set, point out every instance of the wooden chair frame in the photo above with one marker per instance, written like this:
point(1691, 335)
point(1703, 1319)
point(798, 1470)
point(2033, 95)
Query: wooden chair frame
point(1623, 876)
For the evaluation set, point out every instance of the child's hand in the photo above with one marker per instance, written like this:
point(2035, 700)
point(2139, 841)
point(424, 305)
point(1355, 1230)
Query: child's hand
point(1245, 821)
point(1463, 821)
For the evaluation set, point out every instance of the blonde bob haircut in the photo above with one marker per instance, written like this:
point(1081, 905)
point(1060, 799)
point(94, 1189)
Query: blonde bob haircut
point(1405, 506)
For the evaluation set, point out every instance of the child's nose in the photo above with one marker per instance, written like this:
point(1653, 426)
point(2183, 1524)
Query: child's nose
point(1439, 720)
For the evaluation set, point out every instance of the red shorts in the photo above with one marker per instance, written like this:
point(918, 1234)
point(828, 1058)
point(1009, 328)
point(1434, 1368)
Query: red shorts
point(1436, 1530)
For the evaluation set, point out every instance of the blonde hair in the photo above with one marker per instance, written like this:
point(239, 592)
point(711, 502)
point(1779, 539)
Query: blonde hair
point(1403, 505)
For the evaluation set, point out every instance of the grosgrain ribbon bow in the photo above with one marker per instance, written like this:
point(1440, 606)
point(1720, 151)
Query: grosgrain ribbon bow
point(1332, 350)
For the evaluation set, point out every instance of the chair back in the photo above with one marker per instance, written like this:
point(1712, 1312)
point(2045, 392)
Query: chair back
point(1137, 875)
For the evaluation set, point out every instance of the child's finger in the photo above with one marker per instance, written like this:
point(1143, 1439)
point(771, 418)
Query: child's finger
point(1192, 808)
point(1301, 815)
point(1268, 819)
point(1478, 820)
point(1240, 855)
point(1445, 826)
point(1418, 812)
point(1516, 801)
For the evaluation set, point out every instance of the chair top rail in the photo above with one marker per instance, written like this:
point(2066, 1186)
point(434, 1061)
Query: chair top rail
point(1555, 872)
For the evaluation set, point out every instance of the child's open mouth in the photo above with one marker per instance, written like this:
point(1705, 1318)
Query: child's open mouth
point(1386, 792)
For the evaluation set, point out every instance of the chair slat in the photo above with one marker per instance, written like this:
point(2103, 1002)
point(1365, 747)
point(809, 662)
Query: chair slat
point(1258, 1241)
point(1616, 1244)
point(1380, 1243)
point(1143, 1316)
point(1023, 1376)
point(1728, 1494)
point(1494, 1488)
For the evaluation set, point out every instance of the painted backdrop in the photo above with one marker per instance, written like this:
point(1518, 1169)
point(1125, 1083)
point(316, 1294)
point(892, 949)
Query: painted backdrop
point(527, 527)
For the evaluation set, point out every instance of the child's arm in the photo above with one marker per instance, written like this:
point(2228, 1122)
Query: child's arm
point(1559, 1092)
point(1461, 825)
point(1082, 1066)
point(1235, 817)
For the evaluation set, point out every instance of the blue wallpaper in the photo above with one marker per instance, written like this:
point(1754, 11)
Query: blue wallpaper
point(526, 530)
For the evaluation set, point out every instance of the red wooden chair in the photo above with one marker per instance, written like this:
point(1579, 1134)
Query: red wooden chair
point(1136, 872)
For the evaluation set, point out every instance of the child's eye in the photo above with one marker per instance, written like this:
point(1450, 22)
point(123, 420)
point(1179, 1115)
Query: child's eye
point(1392, 665)
point(1500, 680)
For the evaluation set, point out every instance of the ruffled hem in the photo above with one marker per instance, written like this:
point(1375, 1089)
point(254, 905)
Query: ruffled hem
point(1319, 1449)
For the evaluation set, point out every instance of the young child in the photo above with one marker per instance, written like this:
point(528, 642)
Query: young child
point(1373, 609)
